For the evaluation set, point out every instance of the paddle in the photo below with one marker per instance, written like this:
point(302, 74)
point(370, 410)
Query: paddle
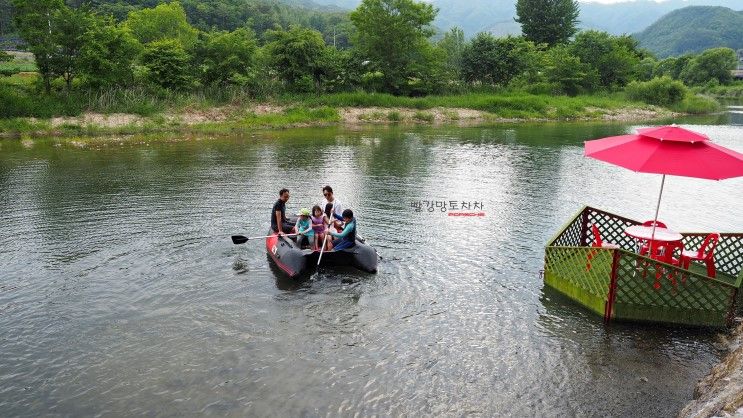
point(327, 232)
point(239, 239)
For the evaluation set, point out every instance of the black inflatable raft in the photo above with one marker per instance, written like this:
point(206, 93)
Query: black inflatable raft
point(295, 261)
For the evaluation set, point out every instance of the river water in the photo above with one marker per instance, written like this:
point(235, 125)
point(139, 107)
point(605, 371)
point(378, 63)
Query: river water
point(121, 293)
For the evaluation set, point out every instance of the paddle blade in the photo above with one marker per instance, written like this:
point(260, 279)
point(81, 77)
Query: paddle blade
point(239, 239)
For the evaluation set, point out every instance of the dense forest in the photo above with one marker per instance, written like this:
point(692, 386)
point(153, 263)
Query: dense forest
point(265, 49)
point(259, 15)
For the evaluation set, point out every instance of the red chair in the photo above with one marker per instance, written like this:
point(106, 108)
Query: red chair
point(705, 253)
point(598, 243)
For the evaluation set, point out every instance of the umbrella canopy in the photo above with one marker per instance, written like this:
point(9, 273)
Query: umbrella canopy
point(668, 150)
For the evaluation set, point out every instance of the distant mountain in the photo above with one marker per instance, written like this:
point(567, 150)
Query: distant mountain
point(346, 4)
point(313, 5)
point(693, 29)
point(631, 17)
point(496, 16)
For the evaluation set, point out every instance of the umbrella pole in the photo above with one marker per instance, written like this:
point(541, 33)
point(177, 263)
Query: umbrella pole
point(655, 220)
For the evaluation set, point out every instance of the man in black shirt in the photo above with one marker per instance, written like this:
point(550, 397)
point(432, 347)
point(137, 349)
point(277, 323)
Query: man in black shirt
point(278, 214)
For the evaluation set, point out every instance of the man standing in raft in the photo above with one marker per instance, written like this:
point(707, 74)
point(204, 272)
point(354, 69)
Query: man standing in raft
point(279, 223)
point(347, 238)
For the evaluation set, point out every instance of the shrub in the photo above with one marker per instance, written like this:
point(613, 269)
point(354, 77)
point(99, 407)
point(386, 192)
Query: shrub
point(544, 88)
point(662, 91)
point(424, 116)
point(696, 105)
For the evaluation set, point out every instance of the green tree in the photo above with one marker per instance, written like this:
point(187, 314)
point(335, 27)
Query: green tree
point(342, 70)
point(393, 36)
point(226, 57)
point(712, 64)
point(497, 61)
point(646, 69)
point(36, 25)
point(567, 72)
point(54, 34)
point(547, 21)
point(108, 54)
point(297, 56)
point(672, 66)
point(68, 34)
point(166, 21)
point(614, 57)
point(4, 56)
point(168, 64)
point(453, 45)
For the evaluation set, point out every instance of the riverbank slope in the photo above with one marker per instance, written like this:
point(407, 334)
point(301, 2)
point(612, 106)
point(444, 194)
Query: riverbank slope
point(720, 393)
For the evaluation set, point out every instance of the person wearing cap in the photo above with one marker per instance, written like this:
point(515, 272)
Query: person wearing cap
point(303, 228)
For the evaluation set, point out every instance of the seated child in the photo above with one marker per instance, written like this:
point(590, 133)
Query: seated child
point(319, 224)
point(347, 238)
point(303, 227)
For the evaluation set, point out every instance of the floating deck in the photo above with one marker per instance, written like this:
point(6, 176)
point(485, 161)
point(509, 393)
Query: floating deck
point(622, 285)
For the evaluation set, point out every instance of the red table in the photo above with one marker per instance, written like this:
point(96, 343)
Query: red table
point(661, 245)
point(664, 239)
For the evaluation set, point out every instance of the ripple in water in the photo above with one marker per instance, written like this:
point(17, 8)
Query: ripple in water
point(122, 293)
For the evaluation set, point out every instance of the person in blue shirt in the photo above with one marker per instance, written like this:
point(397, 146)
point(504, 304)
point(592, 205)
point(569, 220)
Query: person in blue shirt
point(303, 228)
point(347, 237)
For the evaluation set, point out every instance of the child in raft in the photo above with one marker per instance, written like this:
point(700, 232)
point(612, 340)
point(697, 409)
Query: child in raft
point(303, 228)
point(347, 238)
point(319, 223)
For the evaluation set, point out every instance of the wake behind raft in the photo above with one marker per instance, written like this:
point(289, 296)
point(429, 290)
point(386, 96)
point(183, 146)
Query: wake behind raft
point(294, 261)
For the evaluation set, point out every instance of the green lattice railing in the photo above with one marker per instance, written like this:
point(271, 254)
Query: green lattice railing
point(621, 284)
point(646, 289)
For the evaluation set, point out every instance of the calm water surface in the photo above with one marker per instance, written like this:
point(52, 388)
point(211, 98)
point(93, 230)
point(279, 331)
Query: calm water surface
point(121, 293)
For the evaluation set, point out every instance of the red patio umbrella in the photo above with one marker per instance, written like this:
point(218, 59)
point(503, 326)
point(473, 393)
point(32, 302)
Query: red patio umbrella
point(668, 150)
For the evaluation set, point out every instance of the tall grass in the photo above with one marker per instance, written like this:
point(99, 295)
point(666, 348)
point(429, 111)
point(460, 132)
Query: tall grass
point(15, 103)
point(505, 104)
point(730, 91)
point(20, 97)
point(696, 105)
point(147, 101)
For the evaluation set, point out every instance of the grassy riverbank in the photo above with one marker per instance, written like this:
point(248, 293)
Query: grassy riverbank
point(732, 91)
point(25, 111)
